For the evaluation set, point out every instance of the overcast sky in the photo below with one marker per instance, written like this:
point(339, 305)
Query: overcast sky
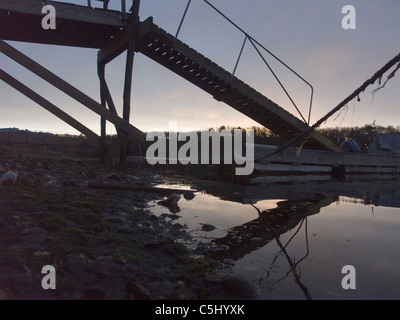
point(306, 34)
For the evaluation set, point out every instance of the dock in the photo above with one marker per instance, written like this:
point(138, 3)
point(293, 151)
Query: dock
point(114, 32)
point(323, 162)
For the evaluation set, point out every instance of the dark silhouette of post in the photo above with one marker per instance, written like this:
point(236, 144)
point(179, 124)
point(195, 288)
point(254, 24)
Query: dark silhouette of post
point(130, 54)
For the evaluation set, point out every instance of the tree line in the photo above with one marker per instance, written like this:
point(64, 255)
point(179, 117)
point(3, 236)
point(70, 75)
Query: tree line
point(362, 135)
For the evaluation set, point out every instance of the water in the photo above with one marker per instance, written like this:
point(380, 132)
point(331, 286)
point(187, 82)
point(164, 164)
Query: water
point(316, 227)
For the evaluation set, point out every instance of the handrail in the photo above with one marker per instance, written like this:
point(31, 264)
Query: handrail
point(256, 43)
point(183, 18)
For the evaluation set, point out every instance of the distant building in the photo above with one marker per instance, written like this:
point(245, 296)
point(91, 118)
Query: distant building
point(9, 129)
point(388, 143)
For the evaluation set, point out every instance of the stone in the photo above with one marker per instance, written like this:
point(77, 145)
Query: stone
point(208, 227)
point(180, 285)
point(34, 236)
point(42, 254)
point(229, 262)
point(153, 217)
point(9, 178)
point(171, 203)
point(189, 195)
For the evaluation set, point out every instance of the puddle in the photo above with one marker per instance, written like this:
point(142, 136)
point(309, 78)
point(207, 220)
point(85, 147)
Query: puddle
point(314, 234)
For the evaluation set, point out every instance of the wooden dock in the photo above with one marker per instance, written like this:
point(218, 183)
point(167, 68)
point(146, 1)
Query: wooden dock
point(320, 162)
point(113, 32)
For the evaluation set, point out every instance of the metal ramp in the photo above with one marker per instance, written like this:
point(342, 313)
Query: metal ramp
point(114, 32)
point(175, 55)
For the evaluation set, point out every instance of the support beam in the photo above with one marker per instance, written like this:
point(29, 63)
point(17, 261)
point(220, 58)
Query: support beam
point(67, 11)
point(67, 88)
point(118, 45)
point(130, 55)
point(48, 106)
point(103, 122)
point(105, 92)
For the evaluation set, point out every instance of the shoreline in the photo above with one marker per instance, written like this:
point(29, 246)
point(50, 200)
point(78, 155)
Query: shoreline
point(104, 244)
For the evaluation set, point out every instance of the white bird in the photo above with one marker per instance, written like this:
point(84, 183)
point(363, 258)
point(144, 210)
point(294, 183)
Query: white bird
point(9, 178)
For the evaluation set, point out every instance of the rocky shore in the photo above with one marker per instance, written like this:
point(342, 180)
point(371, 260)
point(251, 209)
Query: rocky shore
point(103, 244)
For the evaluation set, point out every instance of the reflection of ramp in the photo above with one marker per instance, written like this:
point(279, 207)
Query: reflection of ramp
point(163, 48)
point(246, 238)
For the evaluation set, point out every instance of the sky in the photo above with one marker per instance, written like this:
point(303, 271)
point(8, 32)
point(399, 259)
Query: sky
point(307, 35)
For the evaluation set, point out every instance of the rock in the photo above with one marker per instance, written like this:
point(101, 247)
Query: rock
point(34, 236)
point(40, 165)
point(9, 178)
point(170, 216)
point(179, 285)
point(171, 203)
point(153, 217)
point(229, 262)
point(189, 195)
point(41, 254)
point(50, 182)
point(208, 227)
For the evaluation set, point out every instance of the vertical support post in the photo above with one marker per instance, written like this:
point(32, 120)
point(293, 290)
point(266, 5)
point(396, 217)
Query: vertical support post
point(130, 54)
point(103, 134)
point(123, 10)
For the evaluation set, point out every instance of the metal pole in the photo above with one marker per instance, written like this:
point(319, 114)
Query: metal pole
point(123, 10)
point(240, 55)
point(183, 18)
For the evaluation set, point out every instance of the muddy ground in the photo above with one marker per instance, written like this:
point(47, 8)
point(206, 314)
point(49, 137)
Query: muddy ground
point(104, 244)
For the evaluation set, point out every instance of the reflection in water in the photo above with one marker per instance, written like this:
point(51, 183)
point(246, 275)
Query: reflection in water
point(271, 223)
point(342, 222)
point(293, 265)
